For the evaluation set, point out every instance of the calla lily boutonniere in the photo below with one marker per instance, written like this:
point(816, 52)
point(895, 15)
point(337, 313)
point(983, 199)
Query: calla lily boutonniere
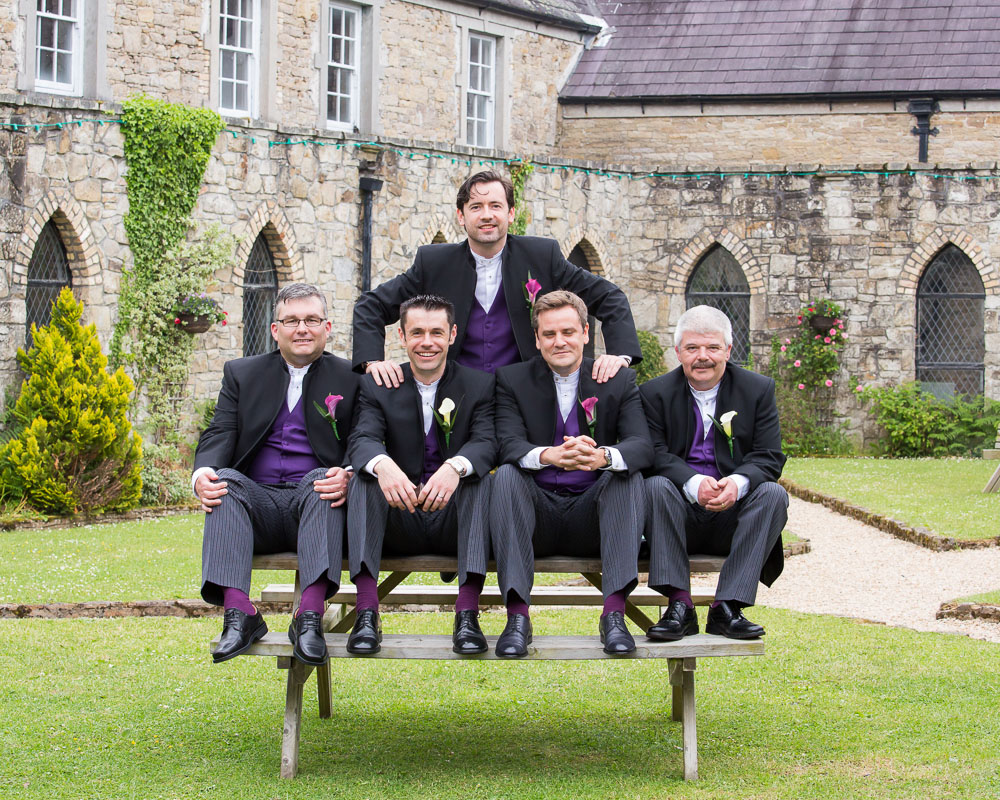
point(531, 290)
point(725, 424)
point(590, 412)
point(445, 418)
point(330, 410)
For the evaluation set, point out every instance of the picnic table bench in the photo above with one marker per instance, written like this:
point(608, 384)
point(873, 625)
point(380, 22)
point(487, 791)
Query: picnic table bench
point(339, 618)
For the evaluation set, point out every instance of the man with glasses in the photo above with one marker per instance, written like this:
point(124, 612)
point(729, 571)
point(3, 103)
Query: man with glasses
point(271, 474)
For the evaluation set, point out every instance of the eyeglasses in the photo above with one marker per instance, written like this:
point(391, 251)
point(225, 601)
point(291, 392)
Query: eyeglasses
point(293, 322)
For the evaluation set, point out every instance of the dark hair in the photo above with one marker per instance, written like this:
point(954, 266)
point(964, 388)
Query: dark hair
point(298, 291)
point(427, 302)
point(560, 298)
point(489, 176)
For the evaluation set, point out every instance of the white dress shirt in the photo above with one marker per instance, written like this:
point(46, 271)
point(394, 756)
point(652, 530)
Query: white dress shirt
point(705, 400)
point(487, 279)
point(567, 391)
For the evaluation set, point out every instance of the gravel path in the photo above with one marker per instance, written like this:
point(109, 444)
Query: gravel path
point(855, 570)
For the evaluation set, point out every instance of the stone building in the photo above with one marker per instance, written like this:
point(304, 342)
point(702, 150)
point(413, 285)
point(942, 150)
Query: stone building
point(757, 155)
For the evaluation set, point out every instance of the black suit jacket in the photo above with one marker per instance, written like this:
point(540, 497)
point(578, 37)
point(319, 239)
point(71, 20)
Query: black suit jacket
point(756, 433)
point(449, 270)
point(391, 421)
point(253, 390)
point(527, 408)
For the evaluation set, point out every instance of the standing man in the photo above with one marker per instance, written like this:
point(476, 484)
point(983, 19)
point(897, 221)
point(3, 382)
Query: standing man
point(422, 452)
point(718, 457)
point(492, 279)
point(572, 450)
point(270, 474)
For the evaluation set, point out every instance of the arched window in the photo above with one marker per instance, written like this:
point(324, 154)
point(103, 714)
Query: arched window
point(260, 288)
point(951, 344)
point(580, 258)
point(718, 281)
point(48, 272)
point(439, 238)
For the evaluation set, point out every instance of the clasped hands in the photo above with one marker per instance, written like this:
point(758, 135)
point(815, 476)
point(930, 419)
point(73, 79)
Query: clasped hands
point(333, 487)
point(400, 492)
point(718, 495)
point(575, 453)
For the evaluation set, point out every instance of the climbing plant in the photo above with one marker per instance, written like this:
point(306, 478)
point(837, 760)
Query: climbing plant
point(519, 174)
point(167, 147)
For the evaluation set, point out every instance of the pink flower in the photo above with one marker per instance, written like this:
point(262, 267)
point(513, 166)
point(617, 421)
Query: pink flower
point(783, 348)
point(829, 383)
point(177, 320)
point(817, 336)
point(826, 339)
point(533, 287)
point(843, 335)
point(802, 386)
point(331, 402)
point(858, 388)
point(833, 331)
point(799, 320)
point(223, 322)
point(838, 322)
point(788, 341)
point(588, 409)
point(798, 363)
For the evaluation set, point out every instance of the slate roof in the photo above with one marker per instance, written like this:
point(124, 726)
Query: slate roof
point(581, 15)
point(729, 49)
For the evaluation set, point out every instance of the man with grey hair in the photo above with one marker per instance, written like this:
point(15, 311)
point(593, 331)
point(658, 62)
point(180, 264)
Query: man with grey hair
point(270, 474)
point(713, 485)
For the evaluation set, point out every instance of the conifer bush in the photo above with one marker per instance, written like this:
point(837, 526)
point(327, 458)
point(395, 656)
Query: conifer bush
point(76, 451)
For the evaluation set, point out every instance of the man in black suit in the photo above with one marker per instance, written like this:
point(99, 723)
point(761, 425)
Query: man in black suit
point(422, 453)
point(718, 457)
point(492, 280)
point(570, 484)
point(270, 474)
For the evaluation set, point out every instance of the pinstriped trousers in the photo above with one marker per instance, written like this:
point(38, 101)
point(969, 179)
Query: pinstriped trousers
point(460, 528)
point(258, 519)
point(527, 521)
point(745, 534)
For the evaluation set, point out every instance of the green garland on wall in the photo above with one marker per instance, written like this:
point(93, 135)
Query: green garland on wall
point(167, 147)
point(519, 174)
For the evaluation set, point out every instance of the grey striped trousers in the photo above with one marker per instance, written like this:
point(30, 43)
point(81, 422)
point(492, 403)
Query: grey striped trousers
point(527, 521)
point(257, 519)
point(744, 534)
point(460, 528)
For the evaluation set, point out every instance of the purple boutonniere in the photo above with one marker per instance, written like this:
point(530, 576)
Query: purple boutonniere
point(330, 410)
point(531, 290)
point(590, 411)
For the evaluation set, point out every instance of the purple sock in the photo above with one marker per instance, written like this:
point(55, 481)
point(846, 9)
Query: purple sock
point(237, 598)
point(367, 590)
point(314, 596)
point(614, 602)
point(515, 605)
point(468, 593)
point(680, 594)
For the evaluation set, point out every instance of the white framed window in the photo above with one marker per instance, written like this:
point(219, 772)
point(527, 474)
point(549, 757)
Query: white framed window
point(58, 46)
point(239, 57)
point(480, 92)
point(343, 63)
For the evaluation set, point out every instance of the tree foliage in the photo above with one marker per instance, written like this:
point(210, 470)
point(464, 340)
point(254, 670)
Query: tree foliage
point(76, 450)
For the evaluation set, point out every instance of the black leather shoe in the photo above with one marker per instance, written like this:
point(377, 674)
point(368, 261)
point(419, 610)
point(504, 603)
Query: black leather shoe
point(306, 636)
point(727, 619)
point(239, 632)
point(615, 635)
point(677, 622)
point(448, 577)
point(516, 636)
point(467, 638)
point(366, 636)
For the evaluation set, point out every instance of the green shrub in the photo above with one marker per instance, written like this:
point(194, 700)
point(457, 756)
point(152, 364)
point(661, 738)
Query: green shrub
point(165, 480)
point(77, 451)
point(652, 357)
point(916, 423)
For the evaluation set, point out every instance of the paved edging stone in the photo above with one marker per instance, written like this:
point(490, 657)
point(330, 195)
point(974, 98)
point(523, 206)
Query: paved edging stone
point(988, 612)
point(916, 535)
point(155, 512)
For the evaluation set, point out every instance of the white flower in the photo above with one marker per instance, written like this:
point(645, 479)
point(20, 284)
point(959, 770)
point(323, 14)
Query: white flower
point(445, 409)
point(726, 420)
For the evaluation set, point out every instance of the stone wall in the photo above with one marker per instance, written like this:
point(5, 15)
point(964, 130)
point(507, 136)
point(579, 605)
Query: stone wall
point(860, 239)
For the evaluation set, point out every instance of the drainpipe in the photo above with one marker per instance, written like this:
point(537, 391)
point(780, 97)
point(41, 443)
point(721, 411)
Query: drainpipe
point(368, 186)
point(922, 108)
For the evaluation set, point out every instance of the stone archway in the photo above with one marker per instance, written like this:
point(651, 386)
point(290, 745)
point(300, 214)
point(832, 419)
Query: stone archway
point(924, 253)
point(270, 221)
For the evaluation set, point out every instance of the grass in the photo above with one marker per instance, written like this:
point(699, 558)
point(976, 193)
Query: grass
point(836, 709)
point(943, 495)
point(989, 598)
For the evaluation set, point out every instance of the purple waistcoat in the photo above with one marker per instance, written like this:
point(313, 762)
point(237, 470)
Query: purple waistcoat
point(489, 337)
point(432, 454)
point(285, 456)
point(559, 480)
point(702, 456)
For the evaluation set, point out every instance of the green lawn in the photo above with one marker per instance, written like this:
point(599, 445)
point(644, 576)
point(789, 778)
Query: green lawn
point(992, 598)
point(943, 495)
point(836, 709)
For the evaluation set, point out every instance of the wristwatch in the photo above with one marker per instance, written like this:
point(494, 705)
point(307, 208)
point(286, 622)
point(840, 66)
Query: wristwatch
point(607, 455)
point(458, 466)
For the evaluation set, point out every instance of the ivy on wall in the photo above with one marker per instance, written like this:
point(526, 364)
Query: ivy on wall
point(167, 147)
point(519, 174)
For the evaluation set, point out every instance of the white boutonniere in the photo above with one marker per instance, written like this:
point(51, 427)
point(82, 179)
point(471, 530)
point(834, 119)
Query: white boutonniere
point(444, 418)
point(725, 424)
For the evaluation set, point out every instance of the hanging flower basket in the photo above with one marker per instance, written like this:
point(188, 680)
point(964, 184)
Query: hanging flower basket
point(193, 323)
point(196, 313)
point(822, 323)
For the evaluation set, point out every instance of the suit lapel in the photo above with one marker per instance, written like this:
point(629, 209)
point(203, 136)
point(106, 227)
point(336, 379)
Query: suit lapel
point(724, 403)
point(588, 387)
point(546, 405)
point(464, 292)
point(513, 276)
